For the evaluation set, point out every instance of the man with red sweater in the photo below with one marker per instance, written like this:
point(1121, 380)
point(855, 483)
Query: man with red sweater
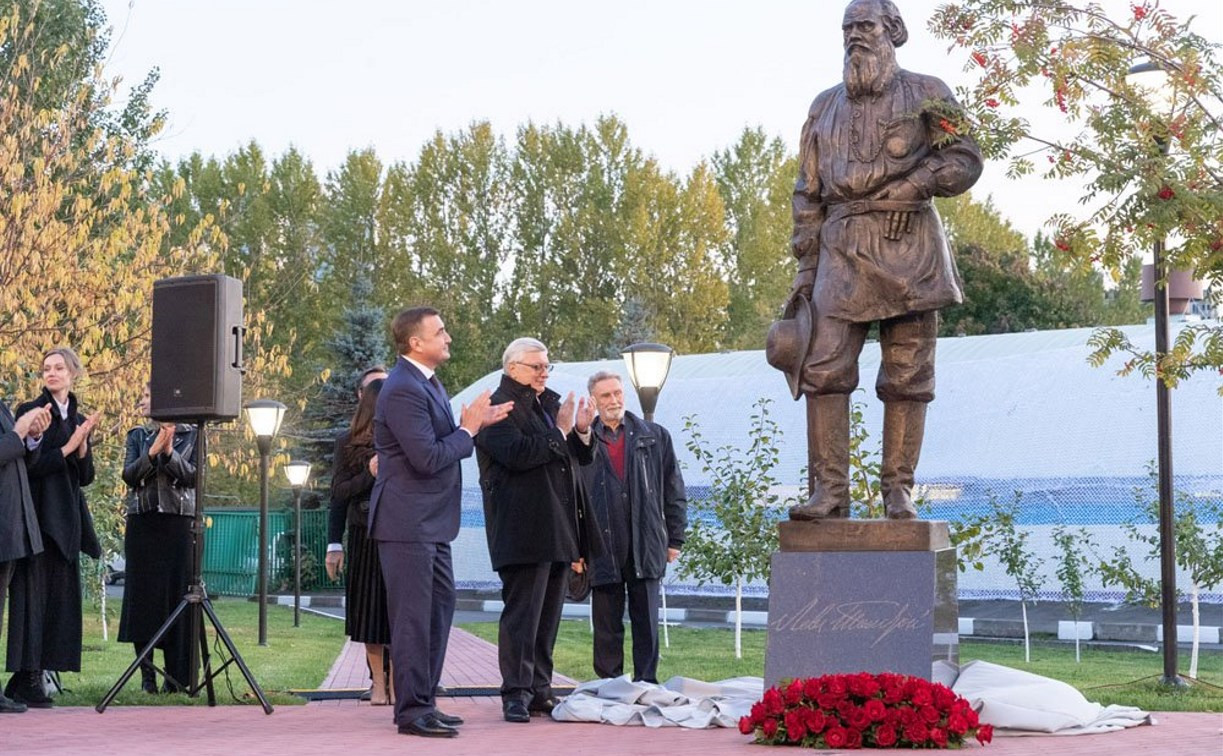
point(637, 494)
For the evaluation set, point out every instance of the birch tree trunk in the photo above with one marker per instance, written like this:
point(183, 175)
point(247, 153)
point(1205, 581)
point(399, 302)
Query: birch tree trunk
point(1197, 630)
point(738, 618)
point(102, 593)
point(1027, 645)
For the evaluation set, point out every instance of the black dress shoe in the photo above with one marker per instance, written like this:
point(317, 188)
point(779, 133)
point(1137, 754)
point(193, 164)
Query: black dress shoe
point(27, 688)
point(515, 711)
point(543, 706)
point(450, 720)
point(9, 706)
point(428, 726)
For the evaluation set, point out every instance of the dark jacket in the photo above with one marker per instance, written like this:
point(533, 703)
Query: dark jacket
point(165, 484)
point(56, 482)
point(418, 495)
point(351, 484)
point(534, 508)
point(652, 494)
point(19, 535)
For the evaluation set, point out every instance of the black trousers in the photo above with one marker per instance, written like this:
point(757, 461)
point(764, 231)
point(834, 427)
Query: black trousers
point(420, 605)
point(607, 614)
point(534, 596)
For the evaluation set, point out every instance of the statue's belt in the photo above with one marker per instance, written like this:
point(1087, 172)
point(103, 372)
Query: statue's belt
point(838, 210)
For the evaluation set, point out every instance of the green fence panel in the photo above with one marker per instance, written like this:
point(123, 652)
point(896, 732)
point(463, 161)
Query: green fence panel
point(231, 551)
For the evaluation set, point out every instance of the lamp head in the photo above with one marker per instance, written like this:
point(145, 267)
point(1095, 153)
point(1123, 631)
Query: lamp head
point(648, 366)
point(264, 416)
point(1153, 84)
point(298, 472)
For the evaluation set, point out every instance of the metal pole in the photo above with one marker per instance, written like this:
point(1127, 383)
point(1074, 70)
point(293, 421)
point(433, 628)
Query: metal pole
point(297, 555)
point(198, 525)
point(262, 583)
point(1163, 412)
point(648, 396)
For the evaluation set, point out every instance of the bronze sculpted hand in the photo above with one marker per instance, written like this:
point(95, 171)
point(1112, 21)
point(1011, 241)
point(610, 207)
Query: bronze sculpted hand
point(804, 281)
point(899, 222)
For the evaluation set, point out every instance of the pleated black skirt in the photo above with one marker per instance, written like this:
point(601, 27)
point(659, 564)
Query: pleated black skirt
point(158, 551)
point(365, 619)
point(44, 630)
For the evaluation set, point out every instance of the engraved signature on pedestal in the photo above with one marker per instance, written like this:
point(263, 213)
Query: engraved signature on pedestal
point(877, 619)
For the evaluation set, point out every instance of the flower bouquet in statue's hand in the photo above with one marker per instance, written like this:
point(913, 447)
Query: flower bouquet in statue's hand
point(864, 711)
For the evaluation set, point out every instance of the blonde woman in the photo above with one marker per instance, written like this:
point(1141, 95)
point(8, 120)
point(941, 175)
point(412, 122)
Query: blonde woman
point(45, 596)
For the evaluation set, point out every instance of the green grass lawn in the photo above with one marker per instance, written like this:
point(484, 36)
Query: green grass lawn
point(295, 657)
point(1106, 676)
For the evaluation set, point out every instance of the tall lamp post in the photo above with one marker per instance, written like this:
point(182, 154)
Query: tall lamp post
point(264, 416)
point(297, 471)
point(1152, 83)
point(648, 366)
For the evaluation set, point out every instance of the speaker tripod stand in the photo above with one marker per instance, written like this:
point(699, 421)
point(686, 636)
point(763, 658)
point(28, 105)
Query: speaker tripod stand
point(196, 605)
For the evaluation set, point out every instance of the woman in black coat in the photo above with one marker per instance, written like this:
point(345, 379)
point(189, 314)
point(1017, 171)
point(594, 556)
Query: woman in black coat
point(159, 470)
point(352, 478)
point(45, 596)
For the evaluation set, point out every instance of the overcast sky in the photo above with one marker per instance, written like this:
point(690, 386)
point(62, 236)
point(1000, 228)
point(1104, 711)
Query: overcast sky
point(686, 76)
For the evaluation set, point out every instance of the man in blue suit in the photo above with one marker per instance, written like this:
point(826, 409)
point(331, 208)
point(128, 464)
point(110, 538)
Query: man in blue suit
point(414, 512)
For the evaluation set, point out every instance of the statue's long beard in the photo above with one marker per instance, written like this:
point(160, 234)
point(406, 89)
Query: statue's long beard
point(869, 73)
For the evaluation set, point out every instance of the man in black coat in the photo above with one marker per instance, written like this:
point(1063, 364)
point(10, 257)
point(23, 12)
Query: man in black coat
point(19, 533)
point(637, 494)
point(533, 510)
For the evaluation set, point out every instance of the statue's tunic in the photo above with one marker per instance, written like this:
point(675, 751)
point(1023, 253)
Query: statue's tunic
point(859, 161)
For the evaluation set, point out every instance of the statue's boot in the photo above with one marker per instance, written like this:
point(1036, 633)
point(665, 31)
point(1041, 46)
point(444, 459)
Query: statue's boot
point(904, 425)
point(829, 455)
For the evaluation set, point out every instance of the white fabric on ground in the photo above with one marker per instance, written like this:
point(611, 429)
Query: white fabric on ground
point(1021, 703)
point(679, 702)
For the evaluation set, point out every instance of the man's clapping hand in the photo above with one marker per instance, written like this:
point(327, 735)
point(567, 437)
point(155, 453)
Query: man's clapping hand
point(33, 423)
point(585, 415)
point(565, 416)
point(482, 412)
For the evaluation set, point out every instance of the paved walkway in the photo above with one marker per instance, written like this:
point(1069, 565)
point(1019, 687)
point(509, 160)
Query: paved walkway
point(349, 727)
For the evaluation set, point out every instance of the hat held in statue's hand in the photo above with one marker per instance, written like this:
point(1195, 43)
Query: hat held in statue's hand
point(788, 341)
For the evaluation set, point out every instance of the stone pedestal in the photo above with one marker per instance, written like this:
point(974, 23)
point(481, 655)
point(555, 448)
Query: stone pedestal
point(862, 596)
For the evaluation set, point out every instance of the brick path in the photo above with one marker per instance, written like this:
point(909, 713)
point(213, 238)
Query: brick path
point(358, 729)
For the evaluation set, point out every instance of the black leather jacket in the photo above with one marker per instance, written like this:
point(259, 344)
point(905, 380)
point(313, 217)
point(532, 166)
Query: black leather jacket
point(163, 484)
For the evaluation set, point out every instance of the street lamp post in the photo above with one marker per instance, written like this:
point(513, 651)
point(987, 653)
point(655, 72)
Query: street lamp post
point(297, 472)
point(1152, 83)
point(264, 416)
point(648, 366)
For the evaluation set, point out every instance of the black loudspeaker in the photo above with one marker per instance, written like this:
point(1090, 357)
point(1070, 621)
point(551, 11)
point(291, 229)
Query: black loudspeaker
point(197, 348)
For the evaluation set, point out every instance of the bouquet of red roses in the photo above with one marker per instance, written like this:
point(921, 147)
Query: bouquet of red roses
point(864, 711)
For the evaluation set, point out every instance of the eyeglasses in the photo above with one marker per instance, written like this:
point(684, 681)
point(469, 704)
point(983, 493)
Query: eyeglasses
point(539, 368)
